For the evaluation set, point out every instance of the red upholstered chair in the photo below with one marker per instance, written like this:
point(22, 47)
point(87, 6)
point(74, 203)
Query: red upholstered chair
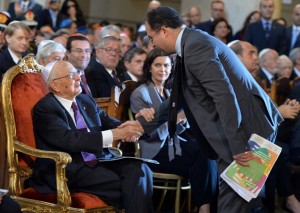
point(22, 86)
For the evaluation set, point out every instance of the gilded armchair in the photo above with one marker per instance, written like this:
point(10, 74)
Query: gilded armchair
point(21, 88)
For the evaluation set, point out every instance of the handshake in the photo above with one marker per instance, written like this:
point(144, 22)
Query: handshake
point(131, 131)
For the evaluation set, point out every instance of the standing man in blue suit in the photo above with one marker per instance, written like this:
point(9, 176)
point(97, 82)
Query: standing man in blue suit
point(223, 103)
point(293, 32)
point(267, 33)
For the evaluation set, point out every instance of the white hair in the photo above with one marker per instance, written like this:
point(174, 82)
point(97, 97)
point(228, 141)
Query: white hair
point(49, 48)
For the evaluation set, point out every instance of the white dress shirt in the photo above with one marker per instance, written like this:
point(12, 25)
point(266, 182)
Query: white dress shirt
point(107, 136)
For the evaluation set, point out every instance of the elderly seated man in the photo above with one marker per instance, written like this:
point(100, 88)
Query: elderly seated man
point(66, 120)
point(49, 51)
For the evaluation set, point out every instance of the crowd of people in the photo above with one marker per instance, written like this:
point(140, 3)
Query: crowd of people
point(195, 116)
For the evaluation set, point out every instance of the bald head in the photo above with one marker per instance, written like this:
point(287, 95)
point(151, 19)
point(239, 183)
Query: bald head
point(194, 15)
point(248, 54)
point(153, 5)
point(296, 15)
point(64, 81)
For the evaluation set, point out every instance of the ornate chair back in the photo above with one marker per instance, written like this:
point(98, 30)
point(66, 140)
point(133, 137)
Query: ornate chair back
point(22, 87)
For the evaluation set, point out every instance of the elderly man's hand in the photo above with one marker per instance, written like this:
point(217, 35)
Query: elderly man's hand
point(129, 131)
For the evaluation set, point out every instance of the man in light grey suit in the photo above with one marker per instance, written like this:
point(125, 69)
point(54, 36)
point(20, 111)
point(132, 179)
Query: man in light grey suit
point(223, 103)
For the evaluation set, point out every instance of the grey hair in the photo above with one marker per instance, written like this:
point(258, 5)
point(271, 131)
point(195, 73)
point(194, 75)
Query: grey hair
point(102, 42)
point(294, 55)
point(49, 48)
point(108, 30)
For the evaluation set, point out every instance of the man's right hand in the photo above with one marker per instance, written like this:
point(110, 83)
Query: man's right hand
point(129, 131)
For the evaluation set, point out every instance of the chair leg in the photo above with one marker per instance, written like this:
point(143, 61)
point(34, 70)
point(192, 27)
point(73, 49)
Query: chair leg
point(177, 199)
point(189, 199)
point(162, 198)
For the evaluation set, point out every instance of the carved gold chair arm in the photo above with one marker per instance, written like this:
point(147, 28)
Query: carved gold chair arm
point(58, 157)
point(61, 159)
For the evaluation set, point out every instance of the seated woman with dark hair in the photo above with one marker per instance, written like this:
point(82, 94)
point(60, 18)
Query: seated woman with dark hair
point(183, 157)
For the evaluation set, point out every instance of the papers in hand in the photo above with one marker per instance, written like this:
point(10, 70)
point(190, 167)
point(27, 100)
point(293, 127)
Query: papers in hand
point(248, 181)
point(3, 192)
point(109, 154)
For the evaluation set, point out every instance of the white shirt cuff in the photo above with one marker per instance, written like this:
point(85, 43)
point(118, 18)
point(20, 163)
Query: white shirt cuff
point(107, 138)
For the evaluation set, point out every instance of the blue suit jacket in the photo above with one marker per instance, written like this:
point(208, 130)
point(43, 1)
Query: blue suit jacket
point(289, 36)
point(55, 130)
point(277, 39)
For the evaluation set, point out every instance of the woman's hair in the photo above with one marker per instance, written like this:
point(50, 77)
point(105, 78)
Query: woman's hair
point(216, 22)
point(79, 13)
point(247, 21)
point(152, 55)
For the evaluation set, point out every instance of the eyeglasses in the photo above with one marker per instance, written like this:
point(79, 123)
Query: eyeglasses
point(151, 37)
point(110, 50)
point(218, 10)
point(54, 1)
point(78, 50)
point(71, 75)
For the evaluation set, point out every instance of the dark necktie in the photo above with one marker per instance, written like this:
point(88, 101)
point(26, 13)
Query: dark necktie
point(85, 85)
point(267, 29)
point(116, 78)
point(174, 99)
point(89, 158)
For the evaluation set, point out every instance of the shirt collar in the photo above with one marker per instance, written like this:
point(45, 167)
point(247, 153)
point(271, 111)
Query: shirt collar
point(25, 3)
point(14, 56)
point(65, 102)
point(109, 71)
point(296, 27)
point(178, 41)
point(297, 71)
point(133, 77)
point(264, 21)
point(268, 74)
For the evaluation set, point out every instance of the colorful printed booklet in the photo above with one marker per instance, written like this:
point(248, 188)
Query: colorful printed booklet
point(248, 181)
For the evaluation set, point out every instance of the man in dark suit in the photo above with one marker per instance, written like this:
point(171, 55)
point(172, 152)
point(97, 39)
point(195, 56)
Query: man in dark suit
point(266, 33)
point(217, 8)
point(293, 32)
point(124, 183)
point(268, 61)
point(295, 57)
point(79, 54)
point(222, 102)
point(102, 76)
point(17, 38)
point(134, 62)
point(194, 15)
point(51, 17)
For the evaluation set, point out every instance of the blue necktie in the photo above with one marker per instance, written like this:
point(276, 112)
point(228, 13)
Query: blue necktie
point(267, 29)
point(89, 158)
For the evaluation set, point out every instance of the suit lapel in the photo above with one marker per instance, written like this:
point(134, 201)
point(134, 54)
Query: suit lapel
point(106, 74)
point(65, 113)
point(154, 96)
